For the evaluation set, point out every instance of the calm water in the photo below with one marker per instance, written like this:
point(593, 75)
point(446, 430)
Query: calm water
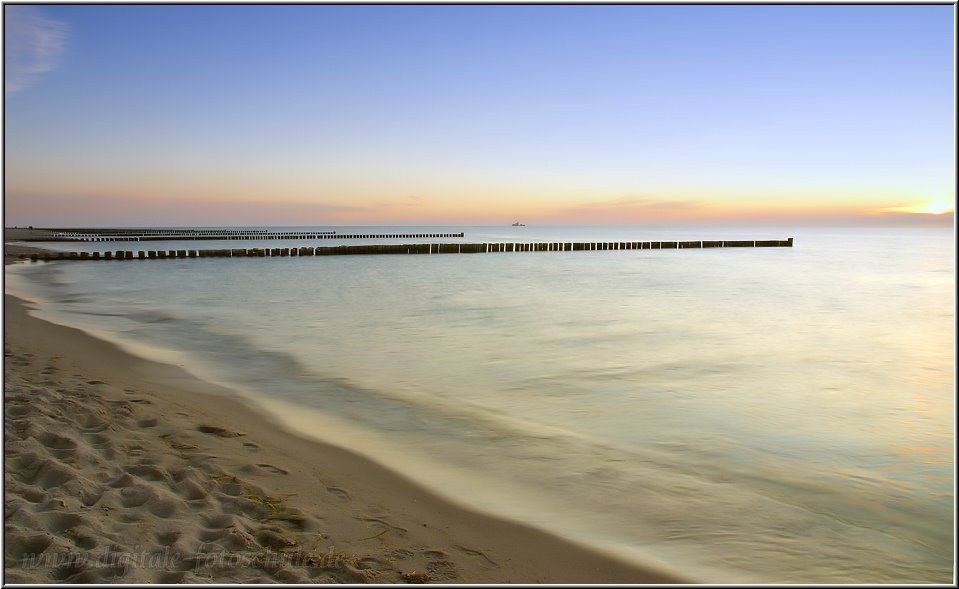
point(742, 415)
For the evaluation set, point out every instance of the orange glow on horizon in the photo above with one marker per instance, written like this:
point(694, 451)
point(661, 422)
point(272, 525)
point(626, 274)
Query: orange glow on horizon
point(937, 207)
point(111, 209)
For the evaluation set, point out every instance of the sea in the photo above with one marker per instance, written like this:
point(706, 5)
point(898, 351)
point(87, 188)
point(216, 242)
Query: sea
point(737, 415)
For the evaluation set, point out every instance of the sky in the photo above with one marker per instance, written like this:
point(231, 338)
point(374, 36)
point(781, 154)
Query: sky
point(375, 115)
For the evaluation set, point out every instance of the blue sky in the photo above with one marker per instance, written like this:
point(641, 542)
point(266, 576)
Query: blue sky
point(312, 114)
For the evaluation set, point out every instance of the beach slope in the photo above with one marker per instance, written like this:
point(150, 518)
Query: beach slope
point(118, 469)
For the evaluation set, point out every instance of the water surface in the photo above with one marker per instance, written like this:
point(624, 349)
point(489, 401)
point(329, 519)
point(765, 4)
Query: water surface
point(743, 415)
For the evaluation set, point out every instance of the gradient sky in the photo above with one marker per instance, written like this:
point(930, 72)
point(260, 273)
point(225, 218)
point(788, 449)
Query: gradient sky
point(312, 114)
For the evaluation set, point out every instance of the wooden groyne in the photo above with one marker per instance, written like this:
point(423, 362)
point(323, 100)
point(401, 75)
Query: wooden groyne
point(414, 248)
point(223, 234)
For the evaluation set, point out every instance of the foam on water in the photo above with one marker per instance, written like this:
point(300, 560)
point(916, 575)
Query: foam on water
point(780, 415)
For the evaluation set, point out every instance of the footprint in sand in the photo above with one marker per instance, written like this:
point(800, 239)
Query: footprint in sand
point(18, 544)
point(52, 474)
point(136, 495)
point(65, 572)
point(387, 525)
point(56, 442)
point(102, 444)
point(274, 469)
point(401, 554)
point(274, 540)
point(220, 521)
point(434, 554)
point(34, 495)
point(16, 411)
point(81, 540)
point(171, 577)
point(90, 499)
point(57, 521)
point(218, 431)
point(442, 570)
point(168, 538)
point(208, 535)
point(370, 563)
point(124, 480)
point(339, 493)
point(88, 423)
point(163, 507)
point(473, 553)
point(190, 490)
point(149, 472)
point(59, 446)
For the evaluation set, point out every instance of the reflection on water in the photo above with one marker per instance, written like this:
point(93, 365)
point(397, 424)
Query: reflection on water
point(778, 415)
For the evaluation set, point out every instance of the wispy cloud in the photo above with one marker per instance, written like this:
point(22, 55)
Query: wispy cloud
point(32, 47)
point(929, 208)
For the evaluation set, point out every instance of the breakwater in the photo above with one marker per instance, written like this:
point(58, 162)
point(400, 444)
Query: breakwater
point(222, 234)
point(413, 248)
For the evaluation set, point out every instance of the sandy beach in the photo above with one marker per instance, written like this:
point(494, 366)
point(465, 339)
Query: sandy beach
point(118, 469)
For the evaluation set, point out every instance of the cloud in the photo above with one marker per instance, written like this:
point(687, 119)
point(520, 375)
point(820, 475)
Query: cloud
point(933, 208)
point(32, 47)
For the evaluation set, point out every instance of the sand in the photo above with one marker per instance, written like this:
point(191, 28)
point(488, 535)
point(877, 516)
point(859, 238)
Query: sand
point(16, 252)
point(118, 469)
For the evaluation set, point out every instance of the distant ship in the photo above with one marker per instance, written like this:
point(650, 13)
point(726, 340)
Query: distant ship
point(518, 224)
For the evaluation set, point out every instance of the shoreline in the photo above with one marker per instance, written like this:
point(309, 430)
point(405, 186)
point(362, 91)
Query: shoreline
point(15, 252)
point(220, 489)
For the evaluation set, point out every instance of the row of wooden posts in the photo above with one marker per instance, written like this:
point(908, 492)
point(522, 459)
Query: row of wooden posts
point(245, 235)
point(417, 248)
